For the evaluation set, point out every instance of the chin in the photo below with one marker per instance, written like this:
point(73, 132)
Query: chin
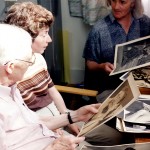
point(42, 51)
point(117, 15)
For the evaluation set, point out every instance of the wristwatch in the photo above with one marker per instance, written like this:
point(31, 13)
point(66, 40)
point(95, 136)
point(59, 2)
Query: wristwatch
point(69, 117)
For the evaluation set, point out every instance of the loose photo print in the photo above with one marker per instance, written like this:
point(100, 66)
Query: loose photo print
point(142, 76)
point(122, 97)
point(132, 55)
point(135, 127)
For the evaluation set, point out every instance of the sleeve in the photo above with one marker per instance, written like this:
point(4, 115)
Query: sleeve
point(51, 84)
point(144, 26)
point(93, 46)
point(2, 135)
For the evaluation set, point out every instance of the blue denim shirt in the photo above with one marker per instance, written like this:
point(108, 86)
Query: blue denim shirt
point(100, 47)
point(107, 32)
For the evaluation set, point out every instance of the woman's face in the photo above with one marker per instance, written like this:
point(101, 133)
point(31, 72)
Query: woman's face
point(121, 8)
point(41, 41)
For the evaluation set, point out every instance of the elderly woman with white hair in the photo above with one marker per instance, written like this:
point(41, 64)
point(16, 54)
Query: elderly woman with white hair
point(126, 22)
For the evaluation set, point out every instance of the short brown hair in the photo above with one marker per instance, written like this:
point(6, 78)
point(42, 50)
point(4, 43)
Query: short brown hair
point(29, 16)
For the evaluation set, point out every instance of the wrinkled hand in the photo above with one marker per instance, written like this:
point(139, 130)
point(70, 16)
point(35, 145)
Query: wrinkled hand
point(65, 143)
point(59, 131)
point(86, 112)
point(108, 67)
point(74, 128)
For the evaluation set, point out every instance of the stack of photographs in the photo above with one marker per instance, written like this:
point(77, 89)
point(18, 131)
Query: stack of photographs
point(135, 118)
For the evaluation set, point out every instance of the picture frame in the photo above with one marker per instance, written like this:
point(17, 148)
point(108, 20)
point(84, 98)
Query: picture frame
point(75, 8)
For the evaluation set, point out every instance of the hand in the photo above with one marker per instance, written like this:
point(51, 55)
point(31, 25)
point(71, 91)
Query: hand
point(74, 129)
point(59, 131)
point(107, 67)
point(65, 143)
point(86, 112)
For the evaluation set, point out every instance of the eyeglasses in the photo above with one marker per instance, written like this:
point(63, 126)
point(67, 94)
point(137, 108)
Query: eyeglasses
point(30, 62)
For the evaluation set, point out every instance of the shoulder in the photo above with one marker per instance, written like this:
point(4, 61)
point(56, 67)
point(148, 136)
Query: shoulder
point(39, 57)
point(101, 25)
point(144, 25)
point(40, 60)
point(144, 19)
point(40, 64)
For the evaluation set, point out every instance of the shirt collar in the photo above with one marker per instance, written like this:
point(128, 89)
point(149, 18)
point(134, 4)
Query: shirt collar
point(112, 18)
point(6, 91)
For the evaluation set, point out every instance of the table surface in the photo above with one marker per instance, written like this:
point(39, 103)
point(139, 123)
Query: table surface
point(142, 137)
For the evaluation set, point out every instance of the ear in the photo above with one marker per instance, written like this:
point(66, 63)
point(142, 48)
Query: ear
point(9, 67)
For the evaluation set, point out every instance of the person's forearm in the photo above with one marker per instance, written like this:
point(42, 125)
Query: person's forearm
point(55, 122)
point(58, 100)
point(59, 121)
point(82, 114)
point(92, 65)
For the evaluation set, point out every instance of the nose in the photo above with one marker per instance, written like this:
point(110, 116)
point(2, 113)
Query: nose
point(49, 39)
point(117, 5)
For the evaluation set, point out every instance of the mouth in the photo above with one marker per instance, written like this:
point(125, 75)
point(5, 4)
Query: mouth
point(117, 10)
point(116, 13)
point(44, 47)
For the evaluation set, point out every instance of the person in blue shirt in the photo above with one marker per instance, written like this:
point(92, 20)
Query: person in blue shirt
point(126, 22)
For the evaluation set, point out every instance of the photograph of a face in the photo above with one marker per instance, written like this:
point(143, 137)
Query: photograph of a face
point(121, 98)
point(132, 55)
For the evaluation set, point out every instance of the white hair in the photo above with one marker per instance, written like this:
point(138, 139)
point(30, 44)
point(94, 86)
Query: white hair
point(15, 43)
point(137, 10)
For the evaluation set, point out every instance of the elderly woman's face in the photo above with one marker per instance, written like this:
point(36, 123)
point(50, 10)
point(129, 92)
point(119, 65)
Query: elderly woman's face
point(41, 42)
point(121, 8)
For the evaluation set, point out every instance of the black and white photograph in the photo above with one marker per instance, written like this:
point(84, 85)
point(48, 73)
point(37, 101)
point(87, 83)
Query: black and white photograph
point(133, 146)
point(122, 97)
point(132, 55)
point(142, 76)
point(138, 112)
point(135, 127)
point(135, 118)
